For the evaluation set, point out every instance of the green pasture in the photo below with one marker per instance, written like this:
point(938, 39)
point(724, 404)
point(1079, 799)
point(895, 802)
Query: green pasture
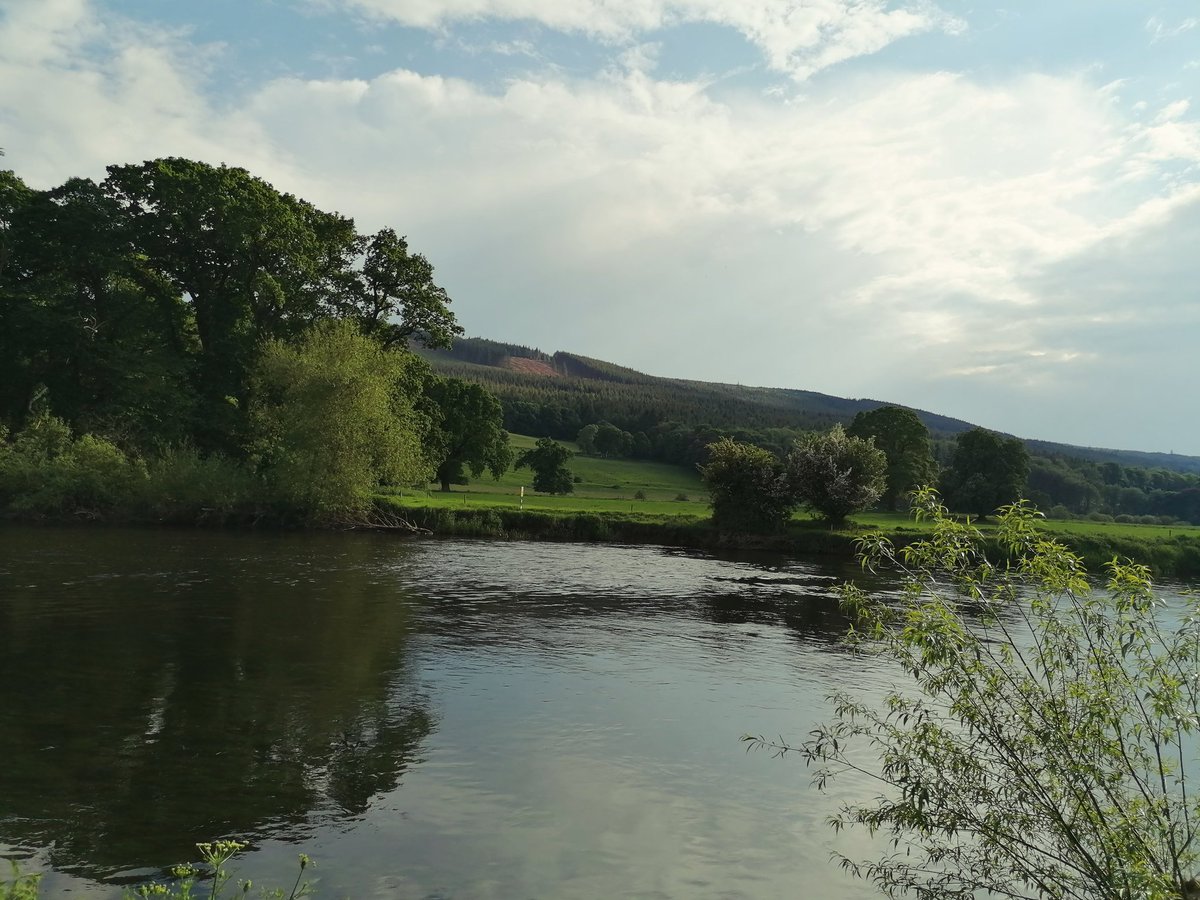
point(902, 522)
point(608, 485)
point(1120, 529)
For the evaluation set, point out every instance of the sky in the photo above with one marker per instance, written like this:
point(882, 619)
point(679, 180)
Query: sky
point(987, 211)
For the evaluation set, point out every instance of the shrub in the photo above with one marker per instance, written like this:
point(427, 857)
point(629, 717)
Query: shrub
point(1045, 741)
point(45, 471)
point(184, 485)
point(747, 487)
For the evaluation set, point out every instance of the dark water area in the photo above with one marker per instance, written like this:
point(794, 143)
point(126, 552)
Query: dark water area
point(425, 718)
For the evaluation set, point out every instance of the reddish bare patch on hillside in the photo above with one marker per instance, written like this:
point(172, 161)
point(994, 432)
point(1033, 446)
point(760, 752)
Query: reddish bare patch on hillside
point(529, 366)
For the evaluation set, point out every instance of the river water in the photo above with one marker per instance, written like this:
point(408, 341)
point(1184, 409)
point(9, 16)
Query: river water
point(427, 719)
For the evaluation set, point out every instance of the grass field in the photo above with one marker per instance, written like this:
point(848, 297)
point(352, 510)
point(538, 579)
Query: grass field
point(608, 485)
point(902, 522)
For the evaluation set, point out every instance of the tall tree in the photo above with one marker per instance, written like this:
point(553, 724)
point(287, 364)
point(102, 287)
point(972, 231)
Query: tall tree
point(987, 472)
point(904, 440)
point(469, 432)
point(254, 263)
point(548, 459)
point(86, 319)
point(835, 473)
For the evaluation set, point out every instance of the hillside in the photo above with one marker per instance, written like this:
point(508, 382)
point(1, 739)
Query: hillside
point(599, 390)
point(580, 390)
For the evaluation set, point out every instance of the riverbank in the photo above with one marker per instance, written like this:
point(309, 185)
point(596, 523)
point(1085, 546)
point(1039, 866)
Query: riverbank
point(1168, 554)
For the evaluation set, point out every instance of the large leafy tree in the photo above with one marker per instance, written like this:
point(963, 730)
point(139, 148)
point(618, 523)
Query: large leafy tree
point(904, 440)
point(835, 473)
point(468, 432)
point(86, 319)
point(333, 416)
point(747, 487)
point(987, 471)
point(1045, 743)
point(255, 264)
point(547, 458)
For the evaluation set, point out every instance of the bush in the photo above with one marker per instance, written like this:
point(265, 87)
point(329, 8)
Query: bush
point(639, 495)
point(185, 486)
point(836, 474)
point(1044, 744)
point(333, 417)
point(45, 471)
point(747, 487)
point(682, 497)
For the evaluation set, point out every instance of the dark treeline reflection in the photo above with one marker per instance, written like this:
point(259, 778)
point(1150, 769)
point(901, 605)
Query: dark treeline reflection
point(215, 688)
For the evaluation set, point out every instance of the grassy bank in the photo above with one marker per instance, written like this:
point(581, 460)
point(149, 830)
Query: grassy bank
point(638, 501)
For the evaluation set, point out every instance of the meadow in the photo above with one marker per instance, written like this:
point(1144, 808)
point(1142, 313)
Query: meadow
point(606, 506)
point(612, 486)
point(606, 485)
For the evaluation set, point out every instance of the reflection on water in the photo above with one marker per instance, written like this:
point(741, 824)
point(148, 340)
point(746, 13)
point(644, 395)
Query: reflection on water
point(429, 719)
point(158, 693)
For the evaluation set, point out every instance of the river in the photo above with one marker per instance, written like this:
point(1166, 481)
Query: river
point(425, 718)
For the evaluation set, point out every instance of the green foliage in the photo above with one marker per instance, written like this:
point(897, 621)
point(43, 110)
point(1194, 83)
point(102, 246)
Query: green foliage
point(468, 432)
point(987, 471)
point(333, 416)
point(904, 440)
point(747, 487)
point(185, 485)
point(45, 471)
point(142, 302)
point(586, 439)
point(210, 880)
point(836, 474)
point(1045, 742)
point(20, 886)
point(393, 297)
point(546, 459)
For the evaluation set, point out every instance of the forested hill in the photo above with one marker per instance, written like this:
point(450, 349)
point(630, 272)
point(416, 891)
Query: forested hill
point(595, 390)
point(558, 393)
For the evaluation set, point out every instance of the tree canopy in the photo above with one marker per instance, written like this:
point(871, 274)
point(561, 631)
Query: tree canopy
point(468, 432)
point(904, 440)
point(986, 472)
point(548, 460)
point(139, 304)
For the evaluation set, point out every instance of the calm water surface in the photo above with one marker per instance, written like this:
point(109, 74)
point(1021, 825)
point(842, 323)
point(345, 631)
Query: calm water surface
point(427, 719)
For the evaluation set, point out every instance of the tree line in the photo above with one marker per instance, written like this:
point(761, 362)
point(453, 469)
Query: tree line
point(185, 335)
point(886, 454)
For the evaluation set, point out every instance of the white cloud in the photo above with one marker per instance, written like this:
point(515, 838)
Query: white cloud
point(799, 39)
point(78, 91)
point(941, 232)
point(1160, 30)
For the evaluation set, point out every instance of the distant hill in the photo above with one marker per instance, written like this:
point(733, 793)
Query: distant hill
point(579, 390)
